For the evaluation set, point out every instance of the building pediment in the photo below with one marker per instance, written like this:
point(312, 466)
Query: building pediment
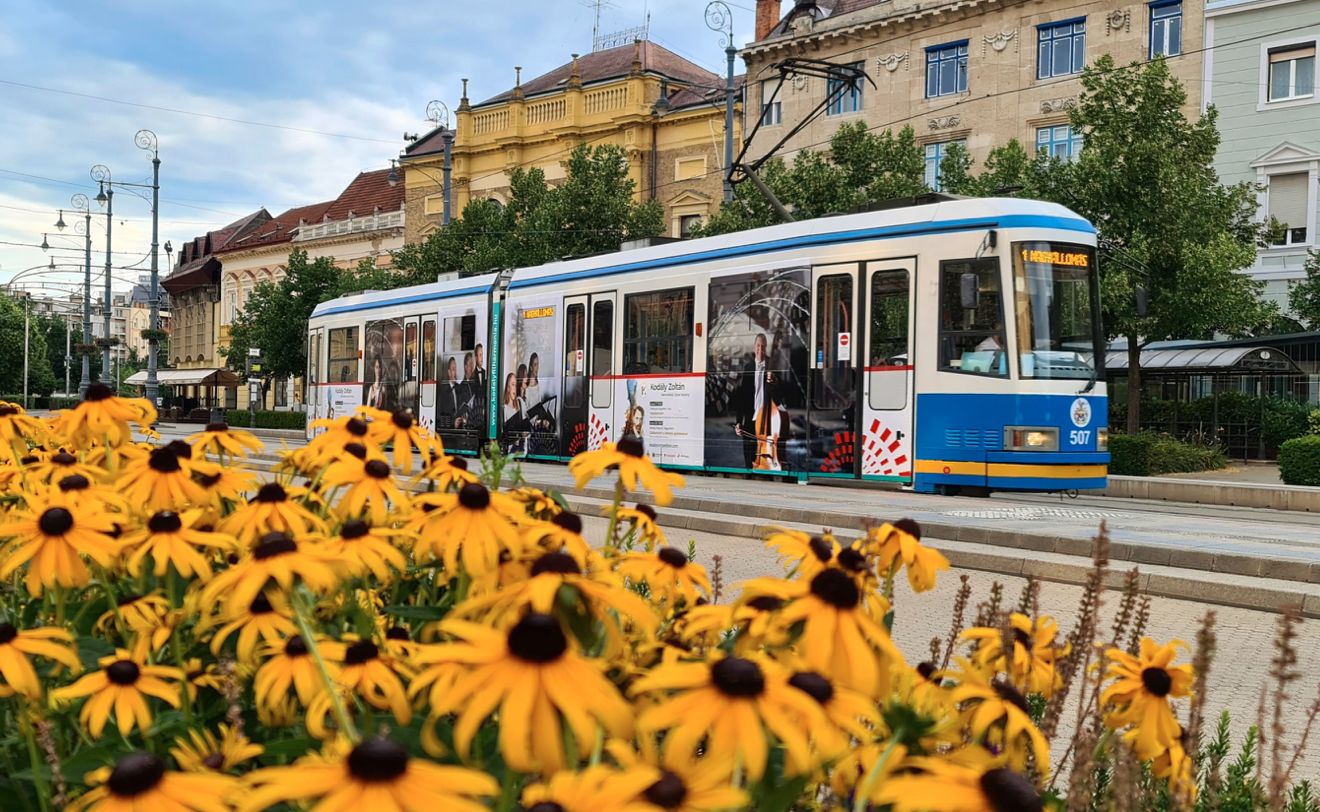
point(1286, 153)
point(688, 197)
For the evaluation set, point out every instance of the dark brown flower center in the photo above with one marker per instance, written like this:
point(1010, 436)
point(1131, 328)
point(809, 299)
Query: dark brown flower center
point(561, 563)
point(632, 447)
point(354, 529)
point(64, 458)
point(29, 459)
point(273, 544)
point(736, 677)
point(295, 646)
point(852, 560)
point(537, 638)
point(165, 521)
point(7, 633)
point(926, 669)
point(260, 605)
point(459, 463)
point(813, 685)
point(397, 633)
point(164, 460)
point(837, 588)
point(377, 469)
point(135, 773)
point(765, 603)
point(1011, 695)
point(1007, 791)
point(215, 761)
point(8, 411)
point(55, 521)
point(356, 426)
point(673, 556)
point(821, 548)
point(403, 419)
point(647, 511)
point(123, 672)
point(377, 761)
point(181, 449)
point(356, 450)
point(271, 492)
point(217, 427)
point(1157, 681)
point(910, 527)
point(569, 521)
point(74, 482)
point(98, 391)
point(545, 806)
point(360, 652)
point(209, 480)
point(667, 793)
point(1022, 638)
point(474, 496)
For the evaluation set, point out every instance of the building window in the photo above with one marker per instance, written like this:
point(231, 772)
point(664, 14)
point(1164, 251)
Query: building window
point(1165, 28)
point(657, 332)
point(946, 69)
point(1061, 48)
point(686, 223)
point(1287, 195)
point(1292, 72)
point(434, 204)
point(689, 168)
point(934, 155)
point(772, 112)
point(1058, 142)
point(849, 99)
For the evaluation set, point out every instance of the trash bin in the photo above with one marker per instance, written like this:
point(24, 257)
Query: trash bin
point(217, 414)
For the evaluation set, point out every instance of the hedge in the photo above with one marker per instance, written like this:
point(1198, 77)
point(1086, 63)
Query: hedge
point(1299, 461)
point(1151, 454)
point(1277, 419)
point(242, 418)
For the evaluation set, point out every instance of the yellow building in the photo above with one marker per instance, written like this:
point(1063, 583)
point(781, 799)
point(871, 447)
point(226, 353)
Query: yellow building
point(675, 148)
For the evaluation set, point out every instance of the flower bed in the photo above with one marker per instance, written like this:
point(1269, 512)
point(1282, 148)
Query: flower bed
point(381, 628)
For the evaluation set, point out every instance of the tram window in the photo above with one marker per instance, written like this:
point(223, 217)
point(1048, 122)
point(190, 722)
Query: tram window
point(602, 351)
point(343, 355)
point(428, 350)
point(574, 353)
point(313, 360)
point(657, 332)
point(888, 345)
point(972, 318)
point(836, 379)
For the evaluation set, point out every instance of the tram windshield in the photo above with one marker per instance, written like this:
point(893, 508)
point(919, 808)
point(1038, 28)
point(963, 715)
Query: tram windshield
point(1054, 286)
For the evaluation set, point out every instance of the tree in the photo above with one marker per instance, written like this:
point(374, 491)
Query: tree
point(274, 317)
point(1304, 296)
point(41, 380)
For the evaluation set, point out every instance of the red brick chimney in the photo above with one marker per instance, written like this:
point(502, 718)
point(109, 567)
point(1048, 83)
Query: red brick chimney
point(767, 17)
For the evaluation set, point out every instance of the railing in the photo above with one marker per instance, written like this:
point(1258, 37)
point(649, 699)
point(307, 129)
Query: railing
point(549, 110)
point(489, 122)
point(355, 225)
point(605, 100)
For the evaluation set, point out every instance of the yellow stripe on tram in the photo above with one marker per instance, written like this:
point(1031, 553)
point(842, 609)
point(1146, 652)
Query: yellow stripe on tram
point(950, 467)
point(1048, 471)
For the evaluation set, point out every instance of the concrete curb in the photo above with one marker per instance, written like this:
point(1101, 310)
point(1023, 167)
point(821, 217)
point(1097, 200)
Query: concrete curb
point(1213, 492)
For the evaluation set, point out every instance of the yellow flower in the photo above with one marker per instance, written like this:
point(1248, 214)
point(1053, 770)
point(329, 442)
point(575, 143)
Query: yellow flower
point(367, 551)
point(377, 775)
point(733, 704)
point(900, 544)
point(121, 686)
point(449, 473)
point(219, 439)
point(400, 430)
point(371, 674)
point(273, 509)
point(50, 535)
point(474, 524)
point(538, 503)
point(57, 466)
point(987, 703)
point(338, 432)
point(103, 418)
point(291, 668)
point(277, 556)
point(1034, 652)
point(162, 480)
point(146, 621)
point(563, 532)
point(15, 647)
point(173, 539)
point(628, 456)
point(681, 784)
point(667, 573)
point(641, 520)
point(533, 674)
point(803, 554)
point(594, 789)
point(946, 786)
point(203, 751)
point(17, 430)
point(852, 716)
point(264, 620)
point(371, 492)
point(224, 483)
point(139, 781)
point(1140, 691)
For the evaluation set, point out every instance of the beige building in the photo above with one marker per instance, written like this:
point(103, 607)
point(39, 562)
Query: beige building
point(675, 148)
point(978, 72)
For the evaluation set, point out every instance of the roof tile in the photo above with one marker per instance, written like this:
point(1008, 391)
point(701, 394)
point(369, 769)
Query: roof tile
point(612, 63)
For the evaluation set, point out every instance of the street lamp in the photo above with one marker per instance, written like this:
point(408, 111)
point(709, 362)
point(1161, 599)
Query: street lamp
point(720, 18)
point(80, 203)
point(146, 139)
point(106, 197)
point(437, 113)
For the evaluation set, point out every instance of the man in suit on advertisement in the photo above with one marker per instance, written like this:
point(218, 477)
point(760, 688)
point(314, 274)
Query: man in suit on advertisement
point(753, 399)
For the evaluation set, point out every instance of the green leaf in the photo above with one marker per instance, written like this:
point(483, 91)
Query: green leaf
point(92, 649)
point(417, 612)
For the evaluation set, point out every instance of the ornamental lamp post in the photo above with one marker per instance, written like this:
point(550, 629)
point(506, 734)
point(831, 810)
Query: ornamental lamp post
point(720, 18)
point(146, 139)
point(80, 203)
point(106, 197)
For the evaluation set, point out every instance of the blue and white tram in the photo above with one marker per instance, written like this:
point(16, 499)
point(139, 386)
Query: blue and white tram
point(943, 347)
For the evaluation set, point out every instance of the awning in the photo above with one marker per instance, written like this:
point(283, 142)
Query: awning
point(173, 377)
point(1208, 360)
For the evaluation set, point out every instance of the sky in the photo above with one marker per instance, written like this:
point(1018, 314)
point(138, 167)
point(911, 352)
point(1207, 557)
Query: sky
point(340, 82)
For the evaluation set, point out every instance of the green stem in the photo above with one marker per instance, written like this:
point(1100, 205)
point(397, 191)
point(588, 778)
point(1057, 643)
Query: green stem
point(38, 778)
point(309, 637)
point(863, 791)
point(59, 606)
point(611, 543)
point(103, 580)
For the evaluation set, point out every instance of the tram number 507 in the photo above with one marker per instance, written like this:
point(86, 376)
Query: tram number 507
point(1079, 437)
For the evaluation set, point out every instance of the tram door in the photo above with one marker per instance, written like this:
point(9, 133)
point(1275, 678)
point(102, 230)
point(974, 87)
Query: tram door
point(588, 366)
point(601, 420)
point(832, 382)
point(573, 368)
point(885, 441)
point(315, 396)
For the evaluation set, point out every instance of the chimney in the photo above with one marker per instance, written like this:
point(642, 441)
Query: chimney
point(767, 17)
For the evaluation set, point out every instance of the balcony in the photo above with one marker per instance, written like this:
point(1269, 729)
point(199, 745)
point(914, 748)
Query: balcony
point(380, 221)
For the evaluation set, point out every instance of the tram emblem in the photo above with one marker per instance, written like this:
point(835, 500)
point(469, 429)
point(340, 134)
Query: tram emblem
point(1081, 412)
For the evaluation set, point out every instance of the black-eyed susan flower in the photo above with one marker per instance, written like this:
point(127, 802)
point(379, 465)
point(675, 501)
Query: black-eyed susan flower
point(944, 785)
point(400, 431)
point(204, 751)
point(537, 503)
point(50, 535)
point(1035, 652)
point(120, 687)
point(377, 775)
point(139, 781)
point(273, 509)
point(290, 670)
point(839, 636)
point(533, 674)
point(17, 645)
point(371, 489)
point(737, 705)
point(374, 676)
point(54, 467)
point(143, 619)
point(997, 714)
point(803, 554)
point(449, 473)
point(173, 540)
point(1140, 694)
point(335, 433)
point(102, 417)
point(221, 440)
point(899, 544)
point(668, 573)
point(18, 430)
point(161, 481)
point(681, 784)
point(367, 550)
point(643, 523)
point(593, 789)
point(474, 525)
point(628, 457)
point(561, 533)
point(224, 483)
point(267, 619)
point(275, 557)
point(852, 716)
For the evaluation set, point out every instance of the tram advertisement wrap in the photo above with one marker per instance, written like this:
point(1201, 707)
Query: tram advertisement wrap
point(529, 393)
point(756, 371)
point(460, 408)
point(339, 400)
point(390, 378)
point(664, 412)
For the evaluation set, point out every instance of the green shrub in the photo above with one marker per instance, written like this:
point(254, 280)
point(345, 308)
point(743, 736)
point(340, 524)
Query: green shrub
point(1313, 422)
point(1151, 454)
point(267, 420)
point(1299, 461)
point(1283, 420)
point(1129, 454)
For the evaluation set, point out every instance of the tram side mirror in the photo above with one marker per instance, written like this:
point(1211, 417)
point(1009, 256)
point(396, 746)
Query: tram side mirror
point(970, 291)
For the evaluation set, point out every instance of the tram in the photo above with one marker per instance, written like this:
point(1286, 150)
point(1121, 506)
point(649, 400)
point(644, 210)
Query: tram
point(950, 346)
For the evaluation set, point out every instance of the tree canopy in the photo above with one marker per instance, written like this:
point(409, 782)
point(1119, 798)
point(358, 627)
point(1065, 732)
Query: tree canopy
point(41, 378)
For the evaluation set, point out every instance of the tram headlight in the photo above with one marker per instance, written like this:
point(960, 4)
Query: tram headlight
point(1031, 438)
point(1102, 439)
